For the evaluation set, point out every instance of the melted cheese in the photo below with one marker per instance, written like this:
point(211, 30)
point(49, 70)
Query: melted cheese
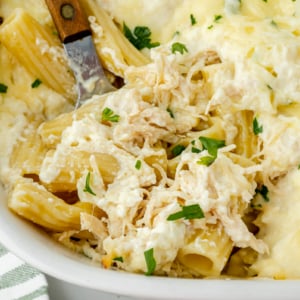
point(240, 56)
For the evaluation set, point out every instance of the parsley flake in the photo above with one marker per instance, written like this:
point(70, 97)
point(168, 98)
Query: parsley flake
point(263, 191)
point(177, 150)
point(170, 113)
point(3, 88)
point(108, 115)
point(195, 150)
point(179, 47)
point(206, 160)
point(140, 38)
point(189, 212)
point(119, 258)
point(193, 20)
point(36, 83)
point(218, 18)
point(138, 164)
point(257, 129)
point(88, 188)
point(211, 145)
point(273, 23)
point(150, 261)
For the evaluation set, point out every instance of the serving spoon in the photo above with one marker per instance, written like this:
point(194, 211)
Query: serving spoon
point(75, 33)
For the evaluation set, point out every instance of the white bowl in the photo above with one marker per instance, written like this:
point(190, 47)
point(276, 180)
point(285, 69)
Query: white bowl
point(36, 248)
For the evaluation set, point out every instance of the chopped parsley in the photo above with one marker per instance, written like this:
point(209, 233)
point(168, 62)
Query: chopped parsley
point(36, 83)
point(108, 115)
point(87, 187)
point(3, 88)
point(179, 47)
point(195, 150)
point(119, 258)
point(138, 164)
point(170, 113)
point(217, 18)
point(177, 150)
point(261, 198)
point(150, 261)
point(206, 160)
point(140, 38)
point(193, 20)
point(257, 129)
point(189, 212)
point(273, 23)
point(212, 146)
point(263, 191)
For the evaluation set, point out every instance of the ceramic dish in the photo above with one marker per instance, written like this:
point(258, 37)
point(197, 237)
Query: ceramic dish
point(37, 249)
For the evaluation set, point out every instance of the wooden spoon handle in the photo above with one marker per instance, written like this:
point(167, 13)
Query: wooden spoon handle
point(69, 19)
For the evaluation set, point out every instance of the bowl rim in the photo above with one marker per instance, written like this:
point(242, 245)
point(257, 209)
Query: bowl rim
point(39, 250)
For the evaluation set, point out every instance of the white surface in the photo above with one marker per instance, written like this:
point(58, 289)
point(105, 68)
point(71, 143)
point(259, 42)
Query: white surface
point(60, 290)
point(36, 248)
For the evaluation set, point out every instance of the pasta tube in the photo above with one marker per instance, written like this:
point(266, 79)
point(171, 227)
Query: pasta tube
point(112, 38)
point(73, 166)
point(38, 51)
point(28, 154)
point(33, 202)
point(51, 131)
point(207, 251)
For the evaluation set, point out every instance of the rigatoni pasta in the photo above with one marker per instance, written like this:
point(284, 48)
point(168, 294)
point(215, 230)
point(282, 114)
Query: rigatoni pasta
point(181, 170)
point(38, 51)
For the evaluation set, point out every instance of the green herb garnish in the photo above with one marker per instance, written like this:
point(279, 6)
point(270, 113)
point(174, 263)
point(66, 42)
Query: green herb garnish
point(177, 150)
point(257, 129)
point(87, 187)
point(170, 113)
point(218, 18)
point(206, 160)
point(195, 150)
point(138, 164)
point(273, 23)
point(108, 115)
point(140, 37)
point(193, 20)
point(119, 258)
point(3, 88)
point(189, 212)
point(36, 83)
point(179, 47)
point(211, 145)
point(263, 191)
point(150, 261)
